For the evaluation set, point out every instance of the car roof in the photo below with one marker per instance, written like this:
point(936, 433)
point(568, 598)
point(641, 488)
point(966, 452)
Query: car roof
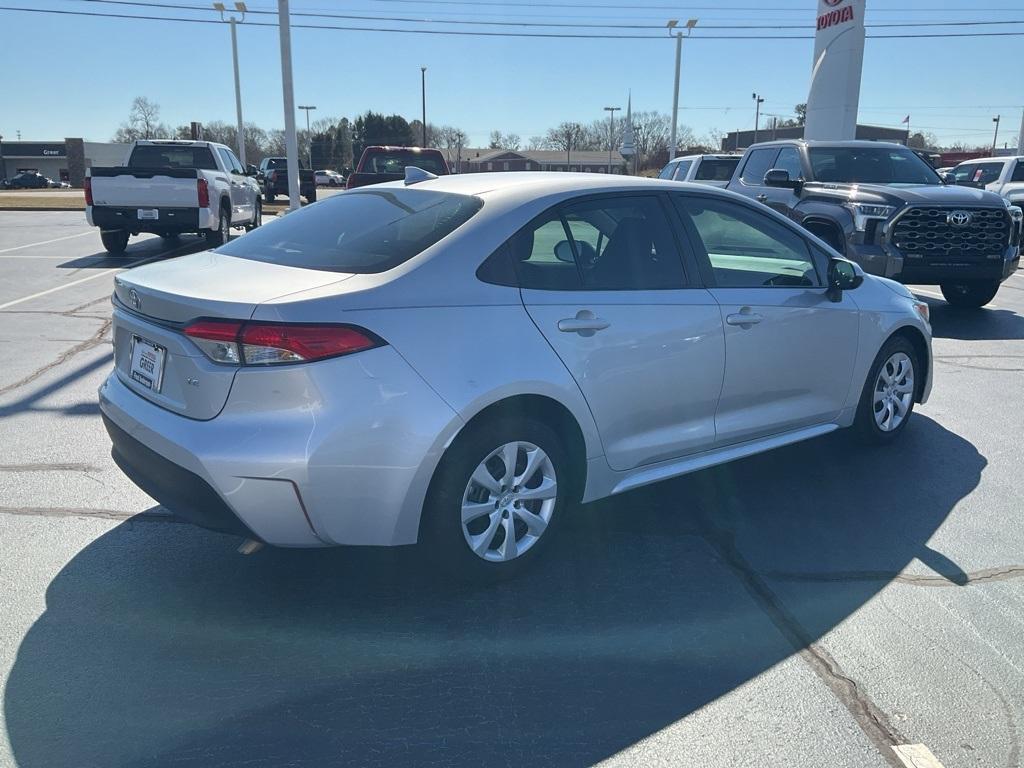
point(389, 148)
point(977, 160)
point(851, 143)
point(716, 156)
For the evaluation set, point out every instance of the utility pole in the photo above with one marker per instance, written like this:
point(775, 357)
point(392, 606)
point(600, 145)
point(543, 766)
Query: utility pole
point(423, 88)
point(995, 136)
point(308, 137)
point(288, 91)
point(240, 7)
point(758, 101)
point(1020, 136)
point(672, 24)
point(611, 133)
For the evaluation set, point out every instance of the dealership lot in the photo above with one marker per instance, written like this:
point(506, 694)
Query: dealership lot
point(817, 605)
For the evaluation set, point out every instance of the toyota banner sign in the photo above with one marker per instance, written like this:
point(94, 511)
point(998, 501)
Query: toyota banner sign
point(835, 74)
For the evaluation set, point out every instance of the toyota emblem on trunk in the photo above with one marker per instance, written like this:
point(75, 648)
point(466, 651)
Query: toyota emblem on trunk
point(133, 298)
point(958, 218)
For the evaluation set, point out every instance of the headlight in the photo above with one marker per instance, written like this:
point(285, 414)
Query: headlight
point(862, 212)
point(923, 311)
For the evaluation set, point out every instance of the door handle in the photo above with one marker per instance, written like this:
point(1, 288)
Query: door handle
point(744, 318)
point(586, 323)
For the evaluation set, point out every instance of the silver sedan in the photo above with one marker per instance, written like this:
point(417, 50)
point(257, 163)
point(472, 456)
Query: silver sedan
point(456, 361)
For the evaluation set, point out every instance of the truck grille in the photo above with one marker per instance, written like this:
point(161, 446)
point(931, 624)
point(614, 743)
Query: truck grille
point(927, 232)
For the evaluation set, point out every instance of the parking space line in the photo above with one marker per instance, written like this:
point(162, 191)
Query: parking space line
point(916, 756)
point(92, 277)
point(47, 242)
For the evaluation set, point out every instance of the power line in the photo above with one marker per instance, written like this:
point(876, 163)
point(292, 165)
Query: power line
point(574, 25)
point(462, 33)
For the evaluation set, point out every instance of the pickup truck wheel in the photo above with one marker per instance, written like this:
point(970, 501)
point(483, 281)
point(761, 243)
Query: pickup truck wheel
point(222, 234)
point(257, 217)
point(268, 196)
point(311, 197)
point(970, 295)
point(115, 241)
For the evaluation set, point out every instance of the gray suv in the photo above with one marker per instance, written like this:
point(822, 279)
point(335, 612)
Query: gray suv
point(885, 208)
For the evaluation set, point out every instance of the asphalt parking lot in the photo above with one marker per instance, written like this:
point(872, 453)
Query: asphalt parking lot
point(815, 606)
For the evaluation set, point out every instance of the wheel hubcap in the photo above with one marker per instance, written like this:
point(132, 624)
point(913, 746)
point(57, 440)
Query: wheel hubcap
point(894, 392)
point(508, 501)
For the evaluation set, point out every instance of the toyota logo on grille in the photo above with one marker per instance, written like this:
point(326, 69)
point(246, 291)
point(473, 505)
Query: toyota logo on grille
point(133, 298)
point(958, 218)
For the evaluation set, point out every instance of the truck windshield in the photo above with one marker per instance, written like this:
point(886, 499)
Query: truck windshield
point(870, 165)
point(361, 231)
point(170, 156)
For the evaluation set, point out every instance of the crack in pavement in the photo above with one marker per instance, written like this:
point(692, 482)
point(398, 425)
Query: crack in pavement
point(157, 514)
point(872, 721)
point(95, 340)
point(1002, 573)
point(56, 467)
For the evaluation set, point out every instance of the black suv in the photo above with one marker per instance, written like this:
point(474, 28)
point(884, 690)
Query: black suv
point(885, 208)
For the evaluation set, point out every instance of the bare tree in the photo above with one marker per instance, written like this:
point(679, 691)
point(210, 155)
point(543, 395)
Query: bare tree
point(651, 132)
point(566, 136)
point(497, 140)
point(599, 134)
point(143, 122)
point(537, 142)
point(512, 141)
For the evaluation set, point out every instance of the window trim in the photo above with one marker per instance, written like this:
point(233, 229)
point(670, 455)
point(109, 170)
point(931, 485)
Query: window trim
point(704, 261)
point(750, 156)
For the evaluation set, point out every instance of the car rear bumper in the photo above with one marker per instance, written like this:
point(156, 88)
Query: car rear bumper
point(335, 452)
point(168, 219)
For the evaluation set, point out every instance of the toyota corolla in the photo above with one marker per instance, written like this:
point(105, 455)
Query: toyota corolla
point(459, 361)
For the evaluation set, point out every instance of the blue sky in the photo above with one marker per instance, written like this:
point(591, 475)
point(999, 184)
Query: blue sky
point(76, 76)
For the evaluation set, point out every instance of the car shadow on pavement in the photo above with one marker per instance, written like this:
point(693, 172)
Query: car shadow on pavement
point(159, 645)
point(136, 250)
point(988, 323)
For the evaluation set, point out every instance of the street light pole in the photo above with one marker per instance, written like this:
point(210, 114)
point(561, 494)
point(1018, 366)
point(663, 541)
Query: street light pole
point(672, 24)
point(240, 7)
point(288, 91)
point(423, 89)
point(758, 101)
point(310, 147)
point(611, 133)
point(995, 136)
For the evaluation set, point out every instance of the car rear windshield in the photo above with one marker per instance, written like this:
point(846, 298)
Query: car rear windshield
point(361, 231)
point(716, 168)
point(169, 156)
point(870, 165)
point(396, 162)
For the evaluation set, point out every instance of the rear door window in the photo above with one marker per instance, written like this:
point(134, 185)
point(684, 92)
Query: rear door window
point(716, 169)
point(758, 164)
point(682, 169)
point(364, 231)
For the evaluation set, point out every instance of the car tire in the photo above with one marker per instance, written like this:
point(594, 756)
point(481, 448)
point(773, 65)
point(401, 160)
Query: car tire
point(445, 530)
point(114, 241)
point(311, 197)
point(887, 400)
point(222, 233)
point(970, 295)
point(257, 217)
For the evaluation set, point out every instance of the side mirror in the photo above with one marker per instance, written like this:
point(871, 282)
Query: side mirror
point(778, 177)
point(563, 252)
point(949, 178)
point(842, 276)
point(251, 170)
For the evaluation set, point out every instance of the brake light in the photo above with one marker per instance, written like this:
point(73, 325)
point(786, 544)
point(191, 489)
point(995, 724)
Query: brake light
point(88, 190)
point(204, 192)
point(258, 343)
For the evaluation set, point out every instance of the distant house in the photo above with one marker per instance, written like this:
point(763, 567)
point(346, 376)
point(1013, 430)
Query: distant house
point(584, 161)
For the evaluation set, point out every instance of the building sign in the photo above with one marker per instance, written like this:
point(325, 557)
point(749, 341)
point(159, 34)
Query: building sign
point(836, 71)
point(33, 149)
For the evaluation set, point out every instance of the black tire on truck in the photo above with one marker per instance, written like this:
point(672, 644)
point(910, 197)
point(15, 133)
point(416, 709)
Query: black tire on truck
point(268, 194)
point(114, 240)
point(222, 233)
point(311, 197)
point(970, 295)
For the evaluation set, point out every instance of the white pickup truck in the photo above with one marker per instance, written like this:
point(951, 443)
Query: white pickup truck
point(168, 187)
point(1002, 175)
point(713, 170)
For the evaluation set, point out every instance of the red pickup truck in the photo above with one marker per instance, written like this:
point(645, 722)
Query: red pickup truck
point(379, 164)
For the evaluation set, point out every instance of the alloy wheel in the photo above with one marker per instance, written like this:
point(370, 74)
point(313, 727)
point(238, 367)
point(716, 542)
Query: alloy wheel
point(894, 392)
point(508, 501)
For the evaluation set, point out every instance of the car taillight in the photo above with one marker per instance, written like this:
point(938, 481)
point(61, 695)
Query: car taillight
point(204, 193)
point(258, 343)
point(88, 190)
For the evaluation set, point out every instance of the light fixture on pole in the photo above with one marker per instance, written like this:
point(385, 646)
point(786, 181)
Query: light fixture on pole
point(291, 142)
point(423, 91)
point(672, 25)
point(758, 101)
point(240, 7)
point(995, 136)
point(611, 132)
point(308, 139)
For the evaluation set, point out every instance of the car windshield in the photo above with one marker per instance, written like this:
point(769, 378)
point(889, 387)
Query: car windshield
point(870, 165)
point(171, 156)
point(716, 168)
point(396, 162)
point(362, 231)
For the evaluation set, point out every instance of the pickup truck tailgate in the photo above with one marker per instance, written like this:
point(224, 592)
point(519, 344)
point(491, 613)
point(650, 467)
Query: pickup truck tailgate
point(145, 187)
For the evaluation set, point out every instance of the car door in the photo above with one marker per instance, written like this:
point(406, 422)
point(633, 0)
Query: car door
point(789, 348)
point(242, 200)
point(603, 280)
point(784, 199)
point(757, 164)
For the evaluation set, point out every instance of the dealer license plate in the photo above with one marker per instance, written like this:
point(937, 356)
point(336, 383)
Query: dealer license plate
point(148, 214)
point(147, 366)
